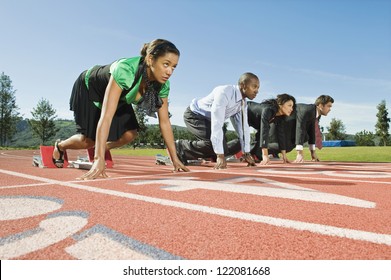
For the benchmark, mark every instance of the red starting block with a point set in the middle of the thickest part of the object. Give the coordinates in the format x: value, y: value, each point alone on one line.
x: 239, y: 155
x: 108, y: 158
x: 45, y: 160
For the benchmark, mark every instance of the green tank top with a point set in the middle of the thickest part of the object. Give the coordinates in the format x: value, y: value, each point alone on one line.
x: 124, y: 72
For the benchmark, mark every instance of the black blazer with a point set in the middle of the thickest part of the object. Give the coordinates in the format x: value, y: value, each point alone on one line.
x: 305, y: 123
x: 260, y: 115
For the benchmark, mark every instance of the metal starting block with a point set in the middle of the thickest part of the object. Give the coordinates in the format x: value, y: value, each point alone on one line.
x: 81, y: 163
x: 162, y: 160
x: 238, y: 157
x: 165, y: 160
x: 196, y: 161
x: 87, y: 161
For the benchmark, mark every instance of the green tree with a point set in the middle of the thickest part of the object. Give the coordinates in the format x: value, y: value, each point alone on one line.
x: 142, y: 120
x: 364, y: 138
x: 383, y: 123
x: 9, y: 115
x: 154, y: 136
x: 182, y: 133
x: 336, y: 130
x: 43, y: 122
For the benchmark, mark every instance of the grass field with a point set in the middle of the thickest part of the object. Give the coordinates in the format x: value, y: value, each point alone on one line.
x: 353, y: 154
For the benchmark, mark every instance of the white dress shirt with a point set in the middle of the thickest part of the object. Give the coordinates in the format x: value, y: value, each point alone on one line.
x: 222, y: 103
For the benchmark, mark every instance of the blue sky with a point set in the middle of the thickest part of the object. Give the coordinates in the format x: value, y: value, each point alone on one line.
x: 302, y: 47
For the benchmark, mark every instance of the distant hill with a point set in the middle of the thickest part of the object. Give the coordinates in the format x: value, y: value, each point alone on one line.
x: 24, y: 137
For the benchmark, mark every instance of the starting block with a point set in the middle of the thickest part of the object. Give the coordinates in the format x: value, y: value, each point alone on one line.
x: 162, y: 160
x: 108, y: 158
x: 165, y: 160
x: 81, y: 163
x: 45, y: 160
x: 196, y: 161
x: 235, y: 158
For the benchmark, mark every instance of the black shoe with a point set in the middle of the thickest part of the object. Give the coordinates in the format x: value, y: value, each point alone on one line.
x: 59, y: 163
x: 179, y: 152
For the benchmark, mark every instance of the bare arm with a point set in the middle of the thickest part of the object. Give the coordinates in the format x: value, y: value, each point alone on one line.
x: 109, y: 106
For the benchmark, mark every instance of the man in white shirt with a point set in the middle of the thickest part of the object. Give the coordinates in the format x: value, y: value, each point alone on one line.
x: 205, y: 119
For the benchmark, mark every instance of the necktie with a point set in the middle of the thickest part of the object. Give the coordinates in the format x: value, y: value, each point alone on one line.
x: 318, y: 135
x: 243, y: 108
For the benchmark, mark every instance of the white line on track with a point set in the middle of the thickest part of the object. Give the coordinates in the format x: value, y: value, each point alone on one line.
x: 237, y: 171
x: 259, y: 173
x: 5, y: 155
x: 301, y: 226
x: 265, y: 188
x: 24, y: 186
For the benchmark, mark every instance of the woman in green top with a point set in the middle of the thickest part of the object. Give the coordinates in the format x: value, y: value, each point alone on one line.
x: 102, y: 99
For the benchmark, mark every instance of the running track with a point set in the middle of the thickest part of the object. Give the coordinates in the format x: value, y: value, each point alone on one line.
x: 321, y: 211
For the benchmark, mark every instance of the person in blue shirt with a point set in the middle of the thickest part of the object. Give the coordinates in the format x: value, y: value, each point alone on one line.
x: 205, y: 118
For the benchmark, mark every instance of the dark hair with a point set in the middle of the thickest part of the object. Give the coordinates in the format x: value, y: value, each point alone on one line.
x: 323, y: 99
x: 158, y: 47
x: 281, y: 99
x: 246, y: 77
x: 284, y: 97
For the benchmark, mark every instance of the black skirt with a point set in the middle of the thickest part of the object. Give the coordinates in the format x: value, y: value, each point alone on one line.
x: 87, y: 114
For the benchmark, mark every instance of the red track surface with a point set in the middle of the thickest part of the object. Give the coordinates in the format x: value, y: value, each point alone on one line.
x: 318, y: 211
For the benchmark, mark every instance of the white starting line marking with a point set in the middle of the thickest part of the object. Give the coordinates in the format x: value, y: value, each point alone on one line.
x: 336, y: 173
x: 360, y: 235
x: 267, y: 188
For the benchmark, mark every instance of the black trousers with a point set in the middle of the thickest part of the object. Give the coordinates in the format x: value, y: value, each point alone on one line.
x: 273, y: 145
x: 200, y: 127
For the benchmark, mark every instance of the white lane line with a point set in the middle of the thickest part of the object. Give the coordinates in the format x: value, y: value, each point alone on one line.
x: 330, y: 179
x: 291, y: 176
x: 332, y: 173
x: 5, y: 155
x: 267, y: 188
x: 24, y: 186
x: 301, y: 226
x: 240, y: 173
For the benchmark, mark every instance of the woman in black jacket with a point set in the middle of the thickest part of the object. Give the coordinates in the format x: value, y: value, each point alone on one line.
x: 260, y: 116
